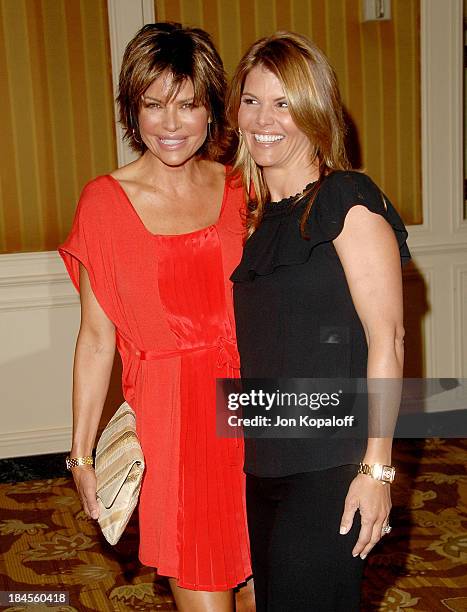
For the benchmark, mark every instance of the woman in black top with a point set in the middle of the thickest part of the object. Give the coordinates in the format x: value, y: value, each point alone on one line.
x: 318, y: 294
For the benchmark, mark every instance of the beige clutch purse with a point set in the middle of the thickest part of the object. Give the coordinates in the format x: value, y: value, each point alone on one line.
x: 119, y: 472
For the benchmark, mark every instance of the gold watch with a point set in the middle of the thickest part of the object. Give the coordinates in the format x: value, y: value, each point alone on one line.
x: 76, y: 461
x: 378, y: 471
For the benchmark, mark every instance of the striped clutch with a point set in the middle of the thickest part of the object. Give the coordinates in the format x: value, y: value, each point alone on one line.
x: 119, y: 473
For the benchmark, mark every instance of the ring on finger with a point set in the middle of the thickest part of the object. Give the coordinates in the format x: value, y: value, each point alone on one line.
x: 386, y: 529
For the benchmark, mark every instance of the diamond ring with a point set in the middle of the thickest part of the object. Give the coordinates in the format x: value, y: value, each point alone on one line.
x: 386, y: 529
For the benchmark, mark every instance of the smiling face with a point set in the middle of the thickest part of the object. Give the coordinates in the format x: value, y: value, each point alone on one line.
x: 173, y: 129
x: 272, y: 137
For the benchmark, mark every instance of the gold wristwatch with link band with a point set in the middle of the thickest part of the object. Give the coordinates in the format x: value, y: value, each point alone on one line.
x: 378, y: 471
x: 76, y: 461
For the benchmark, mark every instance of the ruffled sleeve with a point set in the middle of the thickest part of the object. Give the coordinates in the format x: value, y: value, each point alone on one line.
x: 278, y: 241
x: 87, y: 244
x: 341, y: 191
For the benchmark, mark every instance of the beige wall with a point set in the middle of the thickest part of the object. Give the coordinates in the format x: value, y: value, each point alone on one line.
x: 378, y: 65
x: 57, y: 115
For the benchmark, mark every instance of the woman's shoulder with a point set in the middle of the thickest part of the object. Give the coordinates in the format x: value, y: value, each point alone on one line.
x: 97, y: 186
x: 351, y: 184
x: 340, y: 192
x: 343, y: 189
x: 93, y: 203
x: 352, y: 176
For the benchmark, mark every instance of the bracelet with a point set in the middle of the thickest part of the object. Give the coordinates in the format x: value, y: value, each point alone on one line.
x: 378, y: 471
x: 77, y: 461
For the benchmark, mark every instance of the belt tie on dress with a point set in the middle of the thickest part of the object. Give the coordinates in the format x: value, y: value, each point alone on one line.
x: 226, y: 347
x: 227, y: 354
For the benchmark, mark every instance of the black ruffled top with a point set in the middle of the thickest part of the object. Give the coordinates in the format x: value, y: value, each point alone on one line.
x: 295, y: 316
x: 276, y: 243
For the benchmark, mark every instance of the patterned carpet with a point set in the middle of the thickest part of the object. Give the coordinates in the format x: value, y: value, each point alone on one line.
x: 48, y: 544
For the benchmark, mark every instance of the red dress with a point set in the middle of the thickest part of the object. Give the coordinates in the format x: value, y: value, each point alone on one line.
x: 170, y: 299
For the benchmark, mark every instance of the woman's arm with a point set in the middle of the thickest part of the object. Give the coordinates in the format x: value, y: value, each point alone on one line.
x: 94, y: 355
x: 369, y: 254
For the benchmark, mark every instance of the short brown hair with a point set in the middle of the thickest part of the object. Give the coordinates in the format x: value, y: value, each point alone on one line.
x: 184, y: 53
x: 311, y: 89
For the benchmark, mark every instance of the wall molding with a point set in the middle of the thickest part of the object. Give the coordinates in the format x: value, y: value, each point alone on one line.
x: 441, y: 49
x: 44, y: 262
x: 37, y: 303
x: 34, y: 442
x: 456, y: 36
x: 446, y: 247
x: 126, y: 17
x: 459, y: 281
x: 39, y: 316
x: 30, y: 281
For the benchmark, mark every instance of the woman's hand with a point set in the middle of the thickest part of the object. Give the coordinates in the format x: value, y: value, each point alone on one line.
x: 373, y: 499
x: 86, y: 484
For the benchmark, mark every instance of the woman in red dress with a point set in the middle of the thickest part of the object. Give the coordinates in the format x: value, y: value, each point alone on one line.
x: 151, y: 250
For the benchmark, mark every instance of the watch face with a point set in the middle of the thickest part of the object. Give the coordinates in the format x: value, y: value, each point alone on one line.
x: 388, y: 473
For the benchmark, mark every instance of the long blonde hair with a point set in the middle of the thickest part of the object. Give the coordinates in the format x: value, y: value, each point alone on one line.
x: 310, y: 87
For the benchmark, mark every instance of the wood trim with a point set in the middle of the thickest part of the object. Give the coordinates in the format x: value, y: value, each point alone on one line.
x: 29, y: 281
x: 442, y: 123
x: 34, y: 442
x: 126, y: 17
x: 459, y: 280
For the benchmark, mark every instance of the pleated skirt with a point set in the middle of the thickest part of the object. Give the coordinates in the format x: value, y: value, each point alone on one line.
x: 192, y: 506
